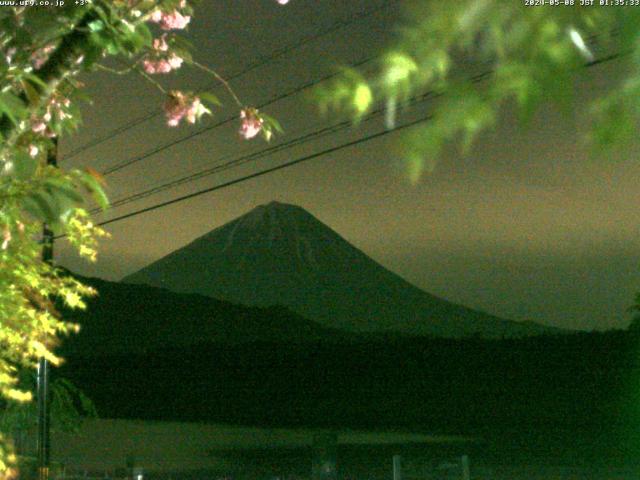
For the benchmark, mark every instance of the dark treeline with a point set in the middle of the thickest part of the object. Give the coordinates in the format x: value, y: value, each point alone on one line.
x: 148, y: 353
x: 578, y: 388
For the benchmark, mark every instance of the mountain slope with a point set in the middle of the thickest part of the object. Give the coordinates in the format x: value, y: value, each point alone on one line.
x: 279, y: 254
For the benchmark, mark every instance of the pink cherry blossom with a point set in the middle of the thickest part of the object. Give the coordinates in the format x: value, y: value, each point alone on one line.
x: 162, y: 65
x: 33, y: 150
x: 180, y: 105
x: 38, y: 125
x: 156, y: 16
x: 170, y: 21
x: 251, y: 123
x: 159, y: 60
x: 175, y: 61
x: 192, y: 111
x: 154, y: 66
x: 40, y: 56
x: 160, y: 44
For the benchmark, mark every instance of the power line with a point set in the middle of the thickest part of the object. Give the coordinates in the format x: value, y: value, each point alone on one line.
x: 161, y: 148
x: 266, y: 171
x: 262, y: 153
x: 307, y: 157
x: 249, y: 68
x: 276, y: 148
x: 310, y: 84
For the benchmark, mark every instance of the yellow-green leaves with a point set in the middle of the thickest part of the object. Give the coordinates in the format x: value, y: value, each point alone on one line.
x: 29, y: 320
x: 349, y: 91
x: 17, y: 395
x: 362, y: 99
x: 616, y: 117
x: 39, y: 350
x: 399, y: 68
x: 83, y: 234
x: 526, y: 56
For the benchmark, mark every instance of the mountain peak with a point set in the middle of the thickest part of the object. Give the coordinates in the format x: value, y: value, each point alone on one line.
x: 276, y: 205
x: 279, y: 208
x: 268, y: 221
x: 280, y: 254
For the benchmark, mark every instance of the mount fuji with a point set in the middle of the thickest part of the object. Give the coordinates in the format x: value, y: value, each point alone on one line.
x: 280, y: 254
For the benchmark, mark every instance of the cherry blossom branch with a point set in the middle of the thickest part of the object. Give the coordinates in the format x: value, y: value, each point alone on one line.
x: 221, y: 80
x: 115, y: 71
x: 62, y: 63
x: 151, y: 80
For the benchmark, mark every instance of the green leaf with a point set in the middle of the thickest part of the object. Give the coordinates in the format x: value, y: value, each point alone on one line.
x: 32, y: 94
x: 143, y: 31
x: 399, y: 67
x: 12, y: 106
x: 96, y: 26
x: 271, y: 122
x: 362, y: 99
x: 62, y: 189
x: 210, y: 98
x: 39, y: 205
x: 24, y: 165
x: 95, y: 189
x: 34, y: 79
x: 132, y: 40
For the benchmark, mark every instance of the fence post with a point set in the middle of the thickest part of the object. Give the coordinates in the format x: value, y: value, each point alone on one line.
x: 464, y: 463
x: 397, y: 467
x: 324, y: 453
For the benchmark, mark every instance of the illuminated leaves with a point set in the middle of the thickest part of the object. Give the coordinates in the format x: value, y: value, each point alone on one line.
x: 42, y: 52
x: 398, y: 74
x: 29, y: 321
x: 530, y: 56
x: 84, y: 235
x: 616, y: 116
x: 270, y: 126
x: 349, y: 91
x: 362, y: 99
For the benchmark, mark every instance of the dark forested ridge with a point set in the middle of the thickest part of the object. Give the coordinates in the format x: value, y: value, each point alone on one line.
x: 138, y: 318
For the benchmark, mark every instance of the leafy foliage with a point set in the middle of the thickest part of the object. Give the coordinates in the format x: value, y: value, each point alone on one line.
x: 525, y: 56
x: 69, y: 407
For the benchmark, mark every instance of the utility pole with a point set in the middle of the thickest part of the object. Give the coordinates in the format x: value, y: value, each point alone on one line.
x: 44, y: 414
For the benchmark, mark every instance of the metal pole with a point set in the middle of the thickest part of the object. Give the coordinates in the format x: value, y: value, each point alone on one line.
x: 43, y: 419
x: 44, y: 415
x: 397, y: 467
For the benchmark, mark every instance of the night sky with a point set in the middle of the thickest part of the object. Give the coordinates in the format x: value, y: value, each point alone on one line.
x: 529, y: 225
